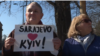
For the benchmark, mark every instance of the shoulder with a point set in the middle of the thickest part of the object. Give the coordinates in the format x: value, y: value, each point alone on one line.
x: 70, y: 40
x: 97, y: 36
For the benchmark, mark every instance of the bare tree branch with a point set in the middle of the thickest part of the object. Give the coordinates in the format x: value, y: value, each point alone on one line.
x: 77, y: 4
x: 1, y: 1
x: 52, y: 3
x: 10, y: 9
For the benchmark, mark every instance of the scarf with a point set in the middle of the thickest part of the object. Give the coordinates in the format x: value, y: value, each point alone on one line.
x: 87, y: 40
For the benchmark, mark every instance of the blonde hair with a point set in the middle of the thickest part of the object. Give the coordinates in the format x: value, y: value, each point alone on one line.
x: 72, y: 30
x: 36, y: 4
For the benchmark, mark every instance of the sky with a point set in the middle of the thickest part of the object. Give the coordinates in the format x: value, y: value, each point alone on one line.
x: 15, y: 18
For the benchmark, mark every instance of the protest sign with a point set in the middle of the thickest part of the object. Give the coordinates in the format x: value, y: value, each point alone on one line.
x: 33, y: 38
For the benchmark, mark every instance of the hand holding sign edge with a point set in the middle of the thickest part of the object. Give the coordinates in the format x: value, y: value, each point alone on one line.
x: 57, y: 43
x: 9, y: 42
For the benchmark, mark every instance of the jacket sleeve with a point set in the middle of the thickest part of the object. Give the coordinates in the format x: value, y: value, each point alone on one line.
x: 47, y: 53
x: 60, y: 52
x: 65, y: 50
x: 8, y: 52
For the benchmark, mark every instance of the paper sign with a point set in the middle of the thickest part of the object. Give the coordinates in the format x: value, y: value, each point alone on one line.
x: 33, y: 38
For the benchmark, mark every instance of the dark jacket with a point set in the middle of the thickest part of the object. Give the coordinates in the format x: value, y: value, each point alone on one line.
x: 73, y: 48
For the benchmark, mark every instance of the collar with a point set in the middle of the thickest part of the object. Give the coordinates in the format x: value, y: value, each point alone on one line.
x: 83, y: 38
x: 87, y: 41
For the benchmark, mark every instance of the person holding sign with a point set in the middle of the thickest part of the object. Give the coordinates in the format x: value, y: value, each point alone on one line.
x: 82, y: 41
x: 33, y: 17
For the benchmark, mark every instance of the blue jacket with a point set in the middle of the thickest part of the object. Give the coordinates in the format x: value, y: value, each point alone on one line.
x: 73, y: 48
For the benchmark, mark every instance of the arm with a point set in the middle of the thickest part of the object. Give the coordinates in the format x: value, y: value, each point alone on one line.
x: 57, y: 45
x: 9, y: 51
x: 50, y: 53
x: 58, y: 49
x: 55, y: 52
x: 60, y: 52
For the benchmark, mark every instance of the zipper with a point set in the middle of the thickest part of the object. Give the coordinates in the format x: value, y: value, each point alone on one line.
x: 91, y: 39
x: 84, y: 48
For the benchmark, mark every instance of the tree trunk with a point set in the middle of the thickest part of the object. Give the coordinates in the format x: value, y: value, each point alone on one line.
x: 1, y: 35
x: 62, y: 18
x: 83, y: 7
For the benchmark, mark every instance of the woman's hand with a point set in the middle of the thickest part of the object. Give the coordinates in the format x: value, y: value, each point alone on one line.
x: 9, y: 42
x: 57, y: 43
